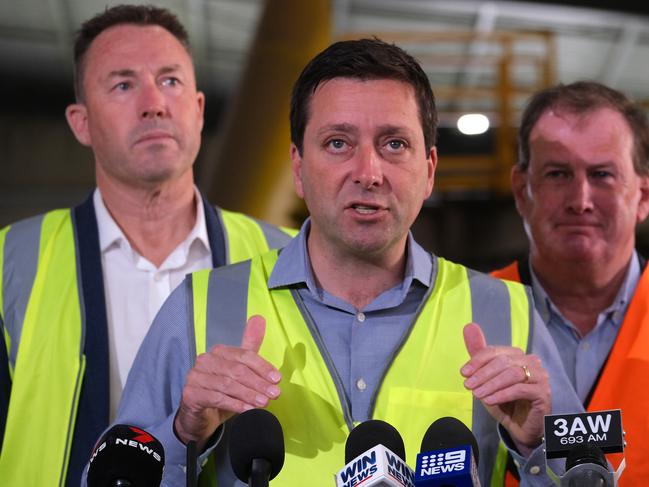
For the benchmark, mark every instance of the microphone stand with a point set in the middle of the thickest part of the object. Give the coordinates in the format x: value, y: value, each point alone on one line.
x: 259, y: 473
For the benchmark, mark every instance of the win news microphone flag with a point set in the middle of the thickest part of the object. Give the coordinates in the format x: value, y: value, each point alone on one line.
x: 126, y: 456
x: 449, y: 456
x: 375, y: 457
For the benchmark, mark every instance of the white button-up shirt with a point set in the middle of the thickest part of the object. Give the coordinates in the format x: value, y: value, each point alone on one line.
x: 135, y: 288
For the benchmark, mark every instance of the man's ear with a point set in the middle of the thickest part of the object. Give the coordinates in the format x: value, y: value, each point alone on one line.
x: 643, y: 204
x: 519, y: 188
x: 77, y: 117
x: 296, y: 169
x: 431, y: 163
x: 200, y: 100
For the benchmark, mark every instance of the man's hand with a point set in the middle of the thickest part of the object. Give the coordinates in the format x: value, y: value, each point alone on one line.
x: 513, y: 386
x: 226, y: 381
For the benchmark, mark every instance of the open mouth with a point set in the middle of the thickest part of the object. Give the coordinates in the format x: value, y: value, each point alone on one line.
x: 366, y: 209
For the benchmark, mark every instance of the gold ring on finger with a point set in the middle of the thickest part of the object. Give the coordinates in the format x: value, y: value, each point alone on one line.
x: 528, y: 374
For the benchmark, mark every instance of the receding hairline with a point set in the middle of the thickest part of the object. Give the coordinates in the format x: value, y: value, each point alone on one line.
x: 83, y: 61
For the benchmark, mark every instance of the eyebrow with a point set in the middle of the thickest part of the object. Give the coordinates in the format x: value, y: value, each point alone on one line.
x: 387, y: 129
x: 393, y: 129
x: 338, y: 127
x: 131, y: 73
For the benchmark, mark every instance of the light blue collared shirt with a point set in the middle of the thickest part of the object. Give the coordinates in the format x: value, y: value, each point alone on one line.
x: 583, y: 357
x: 361, y: 342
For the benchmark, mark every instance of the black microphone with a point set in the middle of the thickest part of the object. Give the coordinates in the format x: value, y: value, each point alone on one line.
x: 370, y: 433
x: 586, y: 466
x: 126, y: 456
x: 375, y: 457
x: 449, y: 456
x: 256, y: 447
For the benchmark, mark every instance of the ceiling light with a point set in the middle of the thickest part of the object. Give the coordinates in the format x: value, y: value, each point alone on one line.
x: 473, y: 124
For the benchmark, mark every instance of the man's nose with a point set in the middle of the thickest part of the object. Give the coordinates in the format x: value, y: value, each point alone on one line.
x: 368, y: 169
x: 580, y: 195
x: 152, y: 102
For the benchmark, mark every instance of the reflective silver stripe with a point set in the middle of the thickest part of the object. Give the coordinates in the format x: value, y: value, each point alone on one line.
x: 490, y: 303
x: 275, y: 237
x: 490, y: 307
x: 227, y: 303
x: 226, y: 240
x: 21, y: 251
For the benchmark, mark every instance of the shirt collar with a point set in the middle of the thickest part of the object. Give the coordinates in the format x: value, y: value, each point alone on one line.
x: 111, y: 235
x: 294, y: 267
x: 615, y: 311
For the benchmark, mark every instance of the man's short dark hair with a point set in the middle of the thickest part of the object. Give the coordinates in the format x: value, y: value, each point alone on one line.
x: 364, y: 59
x: 142, y: 15
x: 581, y: 98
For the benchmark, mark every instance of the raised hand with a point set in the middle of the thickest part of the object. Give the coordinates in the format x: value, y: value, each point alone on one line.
x: 513, y: 386
x: 226, y: 381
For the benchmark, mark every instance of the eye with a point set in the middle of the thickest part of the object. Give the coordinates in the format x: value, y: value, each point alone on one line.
x: 336, y: 145
x: 170, y: 81
x: 556, y: 174
x: 397, y: 144
x: 122, y: 86
x: 601, y: 174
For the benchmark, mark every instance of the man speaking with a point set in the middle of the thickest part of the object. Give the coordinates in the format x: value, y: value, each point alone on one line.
x: 353, y: 319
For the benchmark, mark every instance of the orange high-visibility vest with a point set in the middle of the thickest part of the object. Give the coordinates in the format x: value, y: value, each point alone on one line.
x: 624, y: 381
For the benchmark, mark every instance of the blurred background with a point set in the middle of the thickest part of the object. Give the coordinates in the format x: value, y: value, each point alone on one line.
x: 481, y: 57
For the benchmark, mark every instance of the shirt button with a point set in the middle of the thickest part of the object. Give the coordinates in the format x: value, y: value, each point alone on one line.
x: 361, y: 385
x: 585, y: 345
x: 157, y: 277
x: 535, y: 470
x: 360, y: 316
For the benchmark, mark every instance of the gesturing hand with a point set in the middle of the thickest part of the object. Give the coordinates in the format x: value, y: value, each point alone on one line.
x: 226, y: 381
x: 513, y: 386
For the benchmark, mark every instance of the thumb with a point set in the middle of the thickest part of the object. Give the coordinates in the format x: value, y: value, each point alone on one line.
x: 474, y: 338
x: 254, y: 333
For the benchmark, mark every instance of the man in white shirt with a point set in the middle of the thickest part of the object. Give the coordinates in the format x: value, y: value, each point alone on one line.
x: 80, y: 286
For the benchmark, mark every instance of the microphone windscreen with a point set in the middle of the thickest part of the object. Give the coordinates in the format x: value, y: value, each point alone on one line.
x: 371, y: 433
x: 126, y: 453
x: 256, y: 434
x: 586, y: 453
x: 449, y: 432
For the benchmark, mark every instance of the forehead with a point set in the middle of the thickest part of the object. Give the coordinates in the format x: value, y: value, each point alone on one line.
x: 129, y: 46
x: 349, y: 100
x: 596, y: 136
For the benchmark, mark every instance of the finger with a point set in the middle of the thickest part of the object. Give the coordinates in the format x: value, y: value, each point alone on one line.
x: 474, y: 339
x: 223, y: 392
x: 497, y: 367
x: 253, y: 334
x: 538, y: 393
x: 239, y: 364
x: 500, y: 373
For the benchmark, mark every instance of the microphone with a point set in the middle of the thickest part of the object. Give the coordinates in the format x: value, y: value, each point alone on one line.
x: 126, y: 456
x: 256, y: 447
x: 586, y: 466
x: 375, y: 456
x: 449, y: 456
